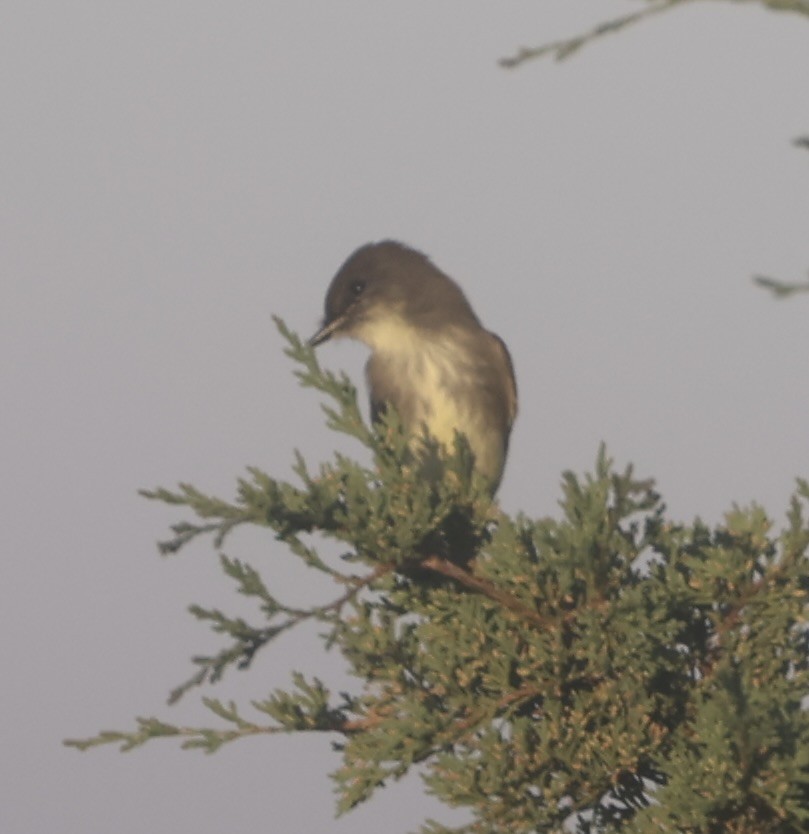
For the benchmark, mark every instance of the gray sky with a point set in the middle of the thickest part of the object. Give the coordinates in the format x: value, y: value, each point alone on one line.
x: 173, y: 173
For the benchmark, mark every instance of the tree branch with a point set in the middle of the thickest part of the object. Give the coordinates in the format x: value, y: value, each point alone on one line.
x: 449, y: 569
x: 565, y: 48
x: 212, y: 667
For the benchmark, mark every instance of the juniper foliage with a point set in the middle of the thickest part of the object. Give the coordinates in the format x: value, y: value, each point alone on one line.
x: 607, y: 670
x: 565, y: 48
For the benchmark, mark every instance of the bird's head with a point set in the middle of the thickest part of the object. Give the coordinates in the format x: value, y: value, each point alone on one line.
x: 386, y: 287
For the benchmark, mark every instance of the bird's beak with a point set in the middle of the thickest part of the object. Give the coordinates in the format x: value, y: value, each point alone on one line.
x: 326, y: 331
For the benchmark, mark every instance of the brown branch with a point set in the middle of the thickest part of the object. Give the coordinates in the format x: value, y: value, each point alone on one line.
x: 357, y: 584
x: 523, y: 692
x: 449, y: 569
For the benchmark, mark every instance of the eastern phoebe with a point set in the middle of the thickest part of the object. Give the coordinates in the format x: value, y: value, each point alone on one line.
x: 430, y: 356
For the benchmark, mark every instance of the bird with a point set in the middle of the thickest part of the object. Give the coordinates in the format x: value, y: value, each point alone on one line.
x: 431, y: 358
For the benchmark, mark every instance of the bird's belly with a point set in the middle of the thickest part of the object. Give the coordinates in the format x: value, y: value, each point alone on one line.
x: 437, y: 392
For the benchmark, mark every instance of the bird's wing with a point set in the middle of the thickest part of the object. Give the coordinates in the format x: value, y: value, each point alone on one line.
x: 511, y: 382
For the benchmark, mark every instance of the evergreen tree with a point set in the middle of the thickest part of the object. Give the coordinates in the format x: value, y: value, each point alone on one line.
x: 608, y: 670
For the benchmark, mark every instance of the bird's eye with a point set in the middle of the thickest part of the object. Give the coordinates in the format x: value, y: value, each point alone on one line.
x: 357, y: 288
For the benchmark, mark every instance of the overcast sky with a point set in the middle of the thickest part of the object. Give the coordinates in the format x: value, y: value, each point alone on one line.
x: 172, y: 173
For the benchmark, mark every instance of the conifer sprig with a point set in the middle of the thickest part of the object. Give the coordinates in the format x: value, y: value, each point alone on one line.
x: 606, y: 670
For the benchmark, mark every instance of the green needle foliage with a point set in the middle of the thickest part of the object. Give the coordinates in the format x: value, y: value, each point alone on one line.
x: 607, y: 670
x: 563, y: 49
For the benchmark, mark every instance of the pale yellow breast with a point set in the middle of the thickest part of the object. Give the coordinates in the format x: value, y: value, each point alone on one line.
x: 433, y: 372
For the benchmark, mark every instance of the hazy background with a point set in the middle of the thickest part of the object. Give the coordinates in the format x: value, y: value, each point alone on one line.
x: 173, y: 173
